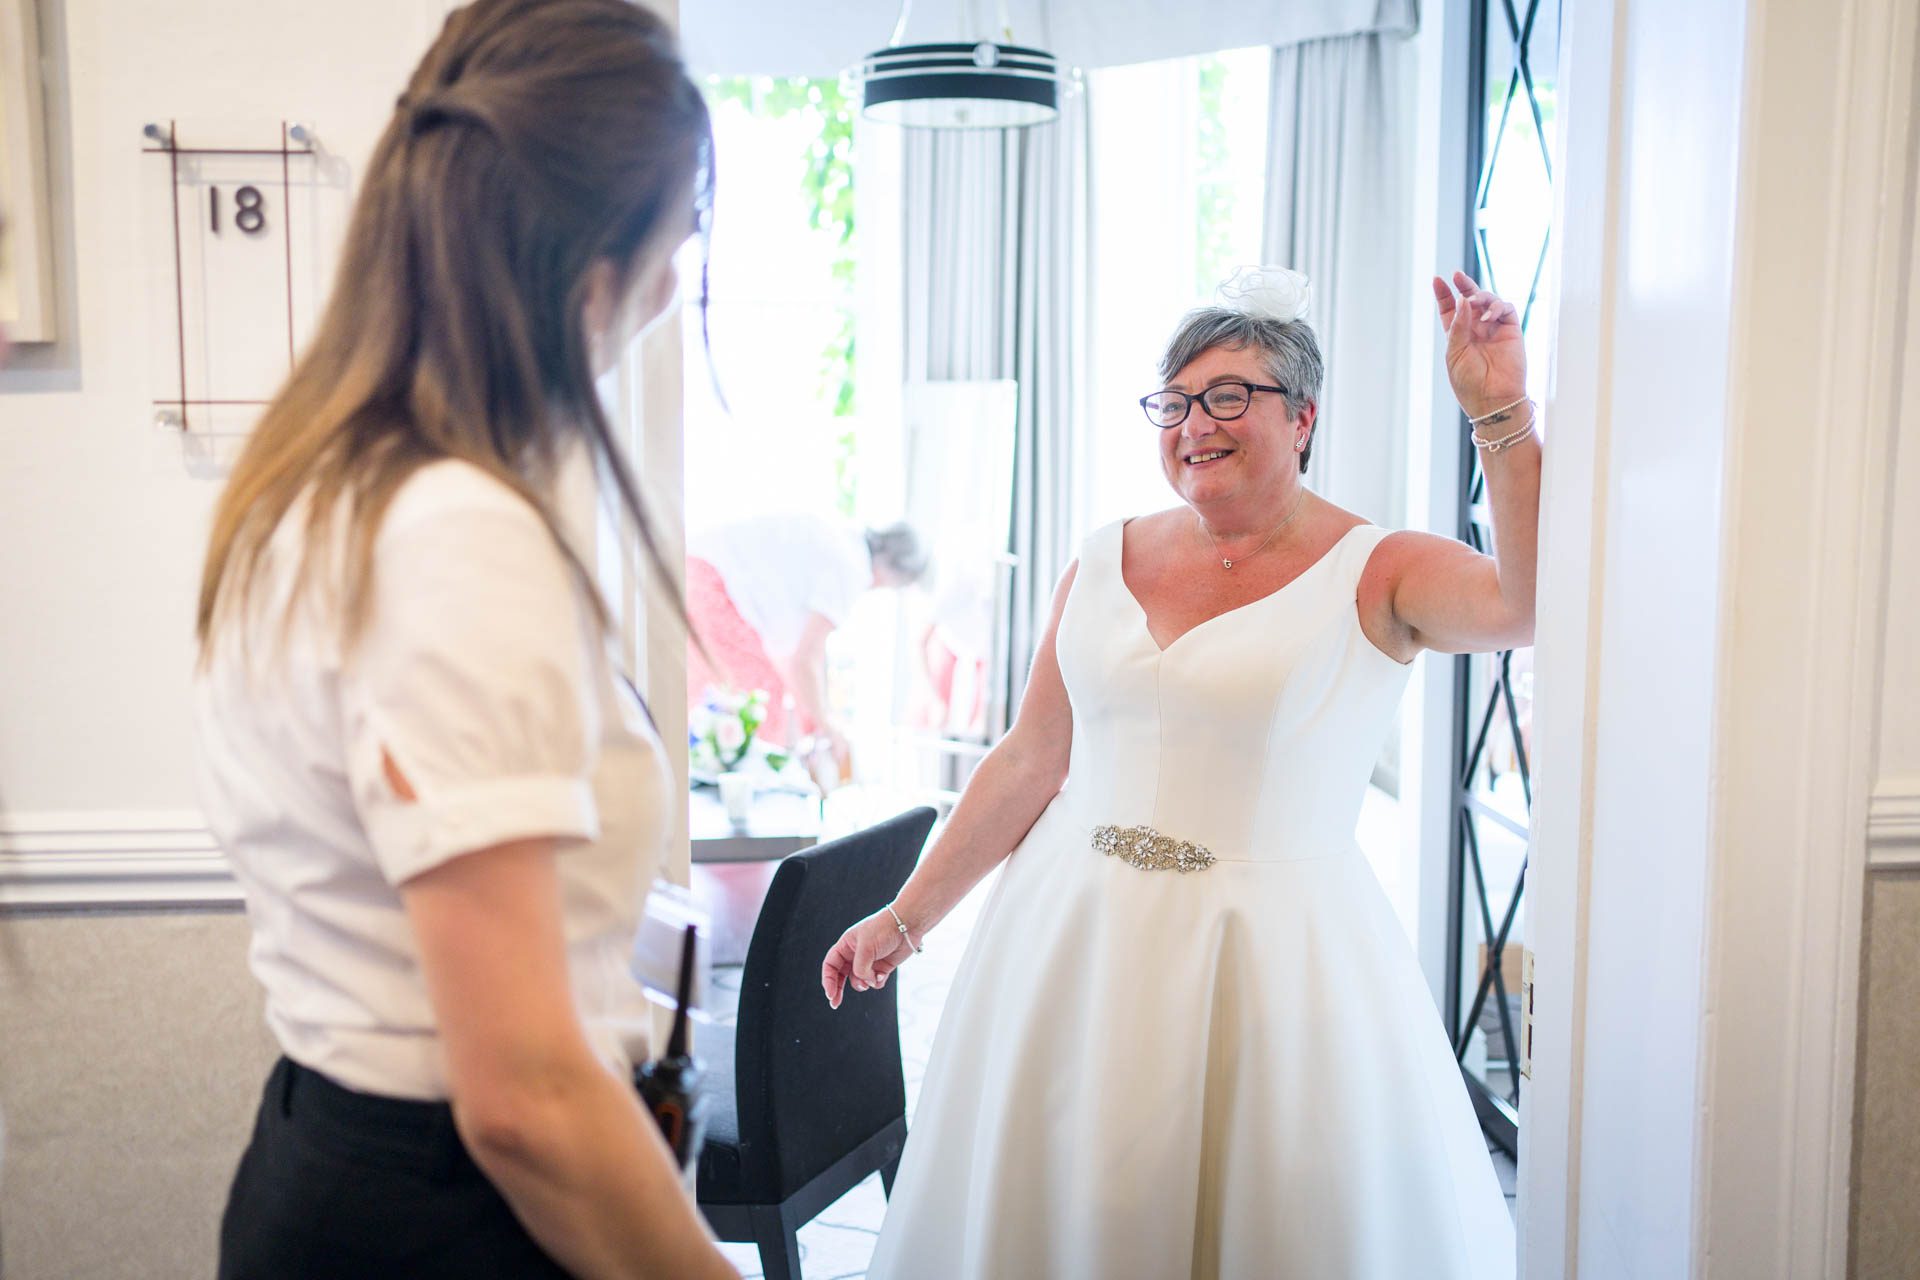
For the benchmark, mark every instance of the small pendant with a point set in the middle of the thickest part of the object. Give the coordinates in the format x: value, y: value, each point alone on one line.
x: 1226, y: 564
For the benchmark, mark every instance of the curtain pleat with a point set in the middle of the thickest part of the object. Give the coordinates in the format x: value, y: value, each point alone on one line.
x: 1337, y: 209
x: 995, y: 287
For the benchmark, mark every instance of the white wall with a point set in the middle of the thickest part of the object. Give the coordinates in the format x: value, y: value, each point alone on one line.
x: 1885, y: 1217
x: 1898, y: 757
x: 103, y: 522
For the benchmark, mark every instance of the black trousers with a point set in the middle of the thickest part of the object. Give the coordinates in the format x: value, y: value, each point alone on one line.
x: 339, y: 1185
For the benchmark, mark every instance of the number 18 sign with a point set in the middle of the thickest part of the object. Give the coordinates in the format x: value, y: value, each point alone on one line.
x: 236, y: 240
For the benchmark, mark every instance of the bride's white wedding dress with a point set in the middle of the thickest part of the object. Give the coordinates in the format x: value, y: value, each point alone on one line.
x: 1230, y: 1071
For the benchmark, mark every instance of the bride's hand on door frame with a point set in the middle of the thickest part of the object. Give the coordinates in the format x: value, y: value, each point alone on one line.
x: 864, y: 957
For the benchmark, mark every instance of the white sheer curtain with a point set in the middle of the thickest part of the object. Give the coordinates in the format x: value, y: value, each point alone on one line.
x: 1337, y: 208
x: 994, y: 247
x: 1338, y: 201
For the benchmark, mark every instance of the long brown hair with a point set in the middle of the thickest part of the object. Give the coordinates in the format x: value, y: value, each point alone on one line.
x: 536, y: 138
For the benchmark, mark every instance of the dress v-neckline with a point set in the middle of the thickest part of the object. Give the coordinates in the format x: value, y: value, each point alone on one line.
x: 1146, y: 624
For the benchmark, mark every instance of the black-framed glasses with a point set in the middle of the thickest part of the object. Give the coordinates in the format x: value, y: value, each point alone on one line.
x: 1223, y: 401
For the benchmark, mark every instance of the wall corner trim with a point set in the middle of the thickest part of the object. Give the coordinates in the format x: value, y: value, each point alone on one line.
x: 79, y: 859
x: 1893, y: 825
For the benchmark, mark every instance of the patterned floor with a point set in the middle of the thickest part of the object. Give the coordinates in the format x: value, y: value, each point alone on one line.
x: 837, y: 1244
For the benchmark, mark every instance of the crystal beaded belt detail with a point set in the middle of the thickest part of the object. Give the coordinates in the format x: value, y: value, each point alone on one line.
x: 1149, y: 850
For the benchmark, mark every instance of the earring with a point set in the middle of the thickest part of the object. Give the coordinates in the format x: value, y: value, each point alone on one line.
x: 1298, y: 445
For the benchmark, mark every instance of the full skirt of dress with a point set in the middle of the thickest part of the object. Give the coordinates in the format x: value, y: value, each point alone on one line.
x: 1237, y: 1072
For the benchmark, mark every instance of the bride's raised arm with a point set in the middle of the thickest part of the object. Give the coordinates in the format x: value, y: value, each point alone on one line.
x: 1423, y: 591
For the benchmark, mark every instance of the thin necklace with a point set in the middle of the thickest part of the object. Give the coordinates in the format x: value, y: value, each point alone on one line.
x: 1225, y: 562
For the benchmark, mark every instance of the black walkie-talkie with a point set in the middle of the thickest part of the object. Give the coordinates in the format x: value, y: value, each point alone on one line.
x: 670, y: 1084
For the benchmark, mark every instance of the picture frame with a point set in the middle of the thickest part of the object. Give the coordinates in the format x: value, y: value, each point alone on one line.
x: 27, y: 307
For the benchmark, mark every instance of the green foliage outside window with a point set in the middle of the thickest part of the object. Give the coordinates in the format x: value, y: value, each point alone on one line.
x: 1213, y: 241
x: 1544, y: 93
x: 826, y: 176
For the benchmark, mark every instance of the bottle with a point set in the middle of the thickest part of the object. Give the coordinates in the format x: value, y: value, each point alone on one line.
x: 670, y: 1085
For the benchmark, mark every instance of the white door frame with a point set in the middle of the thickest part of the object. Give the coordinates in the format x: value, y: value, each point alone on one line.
x: 654, y: 423
x: 1440, y: 190
x: 1800, y: 332
x: 1568, y: 609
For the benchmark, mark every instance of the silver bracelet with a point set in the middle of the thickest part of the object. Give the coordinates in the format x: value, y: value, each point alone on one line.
x: 1495, y: 446
x: 902, y: 926
x: 1475, y: 422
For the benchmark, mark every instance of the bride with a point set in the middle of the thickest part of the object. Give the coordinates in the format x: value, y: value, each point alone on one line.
x: 1189, y: 1037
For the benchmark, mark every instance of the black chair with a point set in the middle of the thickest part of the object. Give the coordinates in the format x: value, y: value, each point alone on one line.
x: 807, y: 1100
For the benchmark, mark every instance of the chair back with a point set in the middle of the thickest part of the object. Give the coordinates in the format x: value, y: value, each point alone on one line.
x: 813, y: 1082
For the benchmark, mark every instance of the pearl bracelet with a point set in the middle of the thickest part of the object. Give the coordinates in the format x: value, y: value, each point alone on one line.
x: 1495, y: 446
x: 902, y: 926
x: 1488, y: 417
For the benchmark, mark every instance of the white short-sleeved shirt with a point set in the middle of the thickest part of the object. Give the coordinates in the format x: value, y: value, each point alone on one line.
x: 482, y: 674
x: 780, y: 569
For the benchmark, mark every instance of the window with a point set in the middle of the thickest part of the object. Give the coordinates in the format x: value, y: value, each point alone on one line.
x: 781, y: 315
x: 782, y: 417
x: 1177, y: 200
x: 1510, y: 154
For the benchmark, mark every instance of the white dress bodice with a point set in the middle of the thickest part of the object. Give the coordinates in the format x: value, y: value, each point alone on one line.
x: 1253, y: 734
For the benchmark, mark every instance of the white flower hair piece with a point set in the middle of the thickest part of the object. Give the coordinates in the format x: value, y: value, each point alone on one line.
x: 1270, y: 293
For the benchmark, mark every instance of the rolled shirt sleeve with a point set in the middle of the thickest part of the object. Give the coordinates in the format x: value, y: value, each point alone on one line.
x: 473, y: 678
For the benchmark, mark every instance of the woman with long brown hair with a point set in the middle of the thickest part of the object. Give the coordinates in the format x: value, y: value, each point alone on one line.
x: 441, y: 802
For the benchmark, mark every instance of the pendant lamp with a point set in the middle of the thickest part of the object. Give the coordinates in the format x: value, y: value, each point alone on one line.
x: 973, y: 79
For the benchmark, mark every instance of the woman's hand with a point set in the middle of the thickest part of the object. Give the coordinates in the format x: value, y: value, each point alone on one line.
x: 864, y: 956
x: 1486, y: 357
x: 1008, y: 792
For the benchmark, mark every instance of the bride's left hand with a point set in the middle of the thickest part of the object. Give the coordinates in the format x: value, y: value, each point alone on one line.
x: 1486, y: 355
x: 864, y: 956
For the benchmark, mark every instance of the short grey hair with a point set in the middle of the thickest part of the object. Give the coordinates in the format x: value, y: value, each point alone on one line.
x: 897, y: 549
x: 1287, y: 348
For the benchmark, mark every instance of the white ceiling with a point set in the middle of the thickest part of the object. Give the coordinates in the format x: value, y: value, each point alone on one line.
x: 825, y: 37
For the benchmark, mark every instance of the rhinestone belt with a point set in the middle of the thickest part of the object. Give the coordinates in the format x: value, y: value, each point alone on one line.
x: 1149, y: 850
